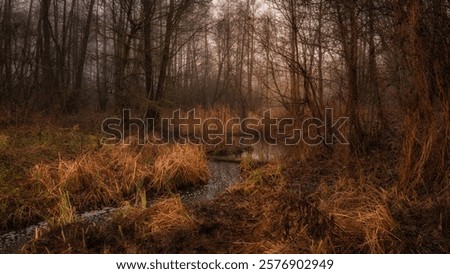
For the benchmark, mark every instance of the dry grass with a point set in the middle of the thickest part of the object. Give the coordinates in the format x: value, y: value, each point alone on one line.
x: 95, y: 179
x: 424, y: 222
x: 321, y: 203
x: 64, y: 212
x: 22, y: 200
x: 165, y: 216
x: 131, y: 230
x: 115, y: 174
x: 92, y: 180
x: 348, y: 217
x: 424, y: 167
x: 362, y: 219
x: 180, y: 166
x: 273, y: 212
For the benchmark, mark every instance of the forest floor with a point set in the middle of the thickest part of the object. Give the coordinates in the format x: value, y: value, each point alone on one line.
x: 51, y: 173
x: 321, y: 202
x: 23, y: 148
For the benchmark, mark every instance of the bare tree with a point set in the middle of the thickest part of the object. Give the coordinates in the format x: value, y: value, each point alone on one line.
x: 347, y: 13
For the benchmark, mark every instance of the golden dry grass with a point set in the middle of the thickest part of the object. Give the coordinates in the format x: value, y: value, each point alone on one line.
x: 165, y: 216
x: 98, y: 178
x: 349, y: 216
x: 324, y: 205
x: 115, y: 174
x: 95, y: 178
x: 169, y: 215
x: 180, y: 166
x: 270, y: 213
x: 363, y: 222
x: 131, y: 230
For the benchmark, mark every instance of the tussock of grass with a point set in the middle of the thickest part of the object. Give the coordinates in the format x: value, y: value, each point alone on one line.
x: 115, y: 174
x: 95, y: 179
x: 363, y: 222
x: 347, y: 216
x: 267, y: 176
x: 64, y: 212
x: 180, y: 166
x: 85, y: 176
x: 131, y: 230
x: 164, y: 216
x: 22, y: 201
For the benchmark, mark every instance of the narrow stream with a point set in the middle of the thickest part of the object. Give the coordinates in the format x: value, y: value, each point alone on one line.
x: 223, y: 174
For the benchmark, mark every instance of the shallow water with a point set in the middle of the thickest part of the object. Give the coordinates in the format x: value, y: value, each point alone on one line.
x: 223, y: 174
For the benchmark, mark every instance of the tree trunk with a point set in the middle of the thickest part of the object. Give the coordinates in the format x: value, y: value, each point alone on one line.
x: 165, y: 59
x: 72, y: 104
x: 349, y: 31
x: 149, y: 9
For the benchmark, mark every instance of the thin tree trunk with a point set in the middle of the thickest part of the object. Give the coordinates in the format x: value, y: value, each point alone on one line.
x: 149, y: 9
x: 7, y: 50
x: 83, y: 50
x: 348, y: 28
x: 48, y: 87
x: 165, y: 56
